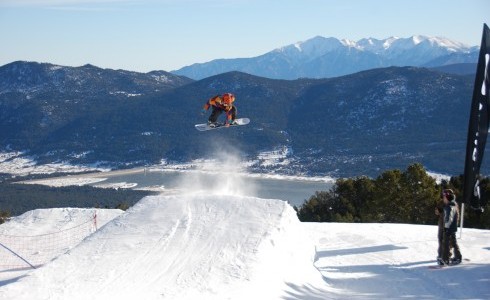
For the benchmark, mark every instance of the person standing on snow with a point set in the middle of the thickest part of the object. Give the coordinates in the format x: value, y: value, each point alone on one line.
x: 439, y: 211
x: 451, y: 217
x: 221, y: 104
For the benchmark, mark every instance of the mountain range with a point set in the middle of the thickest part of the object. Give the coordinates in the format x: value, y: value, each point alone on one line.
x: 322, y: 57
x: 358, y: 124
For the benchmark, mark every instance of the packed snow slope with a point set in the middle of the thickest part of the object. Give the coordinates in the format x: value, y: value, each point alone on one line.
x: 183, y: 247
x: 221, y: 246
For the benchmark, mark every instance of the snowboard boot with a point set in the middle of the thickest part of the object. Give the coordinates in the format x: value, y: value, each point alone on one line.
x: 440, y: 262
x: 455, y: 260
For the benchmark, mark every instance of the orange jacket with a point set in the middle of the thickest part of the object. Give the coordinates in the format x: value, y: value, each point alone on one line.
x: 224, y: 102
x: 215, y: 101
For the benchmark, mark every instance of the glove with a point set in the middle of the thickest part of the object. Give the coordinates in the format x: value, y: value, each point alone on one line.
x: 203, y: 111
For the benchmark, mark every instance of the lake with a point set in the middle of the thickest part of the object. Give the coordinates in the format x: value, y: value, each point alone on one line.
x: 295, y: 190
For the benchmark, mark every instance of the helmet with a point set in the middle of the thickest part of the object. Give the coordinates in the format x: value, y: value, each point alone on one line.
x: 228, y: 98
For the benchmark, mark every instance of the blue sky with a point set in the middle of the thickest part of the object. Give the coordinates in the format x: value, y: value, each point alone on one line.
x: 145, y: 35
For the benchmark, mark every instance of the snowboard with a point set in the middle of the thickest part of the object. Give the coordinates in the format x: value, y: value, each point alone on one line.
x: 437, y: 267
x: 205, y: 126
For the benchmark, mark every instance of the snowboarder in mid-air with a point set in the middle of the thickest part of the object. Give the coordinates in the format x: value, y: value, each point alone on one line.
x: 220, y: 104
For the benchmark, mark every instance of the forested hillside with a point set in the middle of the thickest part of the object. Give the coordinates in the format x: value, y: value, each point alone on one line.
x: 345, y: 126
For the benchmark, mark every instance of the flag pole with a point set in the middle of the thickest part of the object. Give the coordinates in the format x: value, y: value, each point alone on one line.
x: 462, y: 221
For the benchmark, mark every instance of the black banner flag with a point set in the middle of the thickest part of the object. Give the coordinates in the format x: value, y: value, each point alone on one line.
x: 478, y: 125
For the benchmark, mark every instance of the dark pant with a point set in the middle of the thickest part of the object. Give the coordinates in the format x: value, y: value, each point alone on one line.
x: 217, y: 112
x: 449, y: 241
x: 440, y: 239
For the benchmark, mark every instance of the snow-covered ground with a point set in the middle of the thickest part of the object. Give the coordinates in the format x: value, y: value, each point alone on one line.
x: 226, y: 244
x: 18, y: 164
x: 223, y: 246
x: 38, y: 236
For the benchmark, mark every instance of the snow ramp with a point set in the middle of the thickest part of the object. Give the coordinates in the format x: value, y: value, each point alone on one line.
x: 185, y: 247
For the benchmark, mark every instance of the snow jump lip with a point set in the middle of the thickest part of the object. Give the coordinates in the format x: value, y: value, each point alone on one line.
x: 184, y: 247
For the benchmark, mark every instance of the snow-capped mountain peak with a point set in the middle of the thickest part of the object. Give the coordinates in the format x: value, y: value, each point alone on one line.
x: 314, y: 47
x: 321, y: 57
x: 320, y: 45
